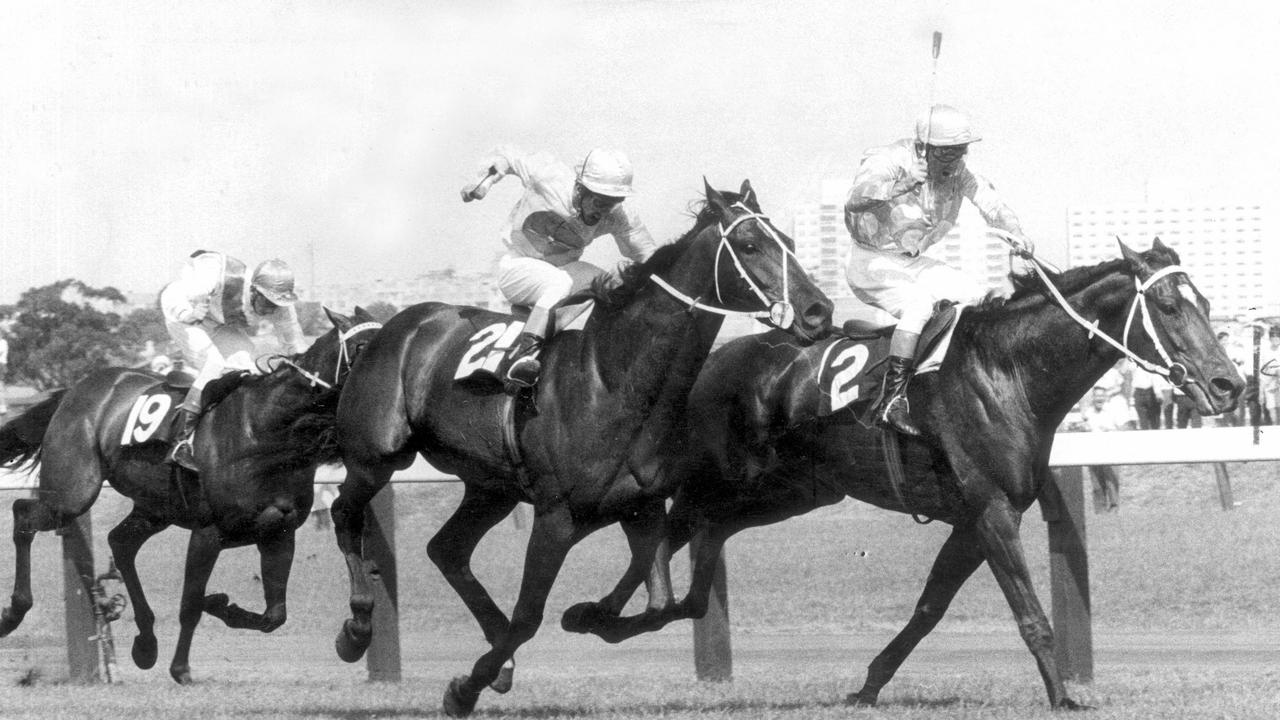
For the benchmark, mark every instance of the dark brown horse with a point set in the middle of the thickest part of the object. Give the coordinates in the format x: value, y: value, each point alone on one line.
x: 758, y: 452
x: 584, y: 448
x: 259, y: 445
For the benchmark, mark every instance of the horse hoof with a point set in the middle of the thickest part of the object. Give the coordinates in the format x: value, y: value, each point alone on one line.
x: 455, y: 703
x: 861, y: 699
x: 144, y: 651
x: 1069, y: 704
x: 502, y: 683
x: 583, y: 617
x: 350, y: 649
x: 181, y: 675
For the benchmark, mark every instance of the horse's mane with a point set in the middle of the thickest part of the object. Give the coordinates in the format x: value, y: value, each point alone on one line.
x: 633, y: 277
x: 304, y: 435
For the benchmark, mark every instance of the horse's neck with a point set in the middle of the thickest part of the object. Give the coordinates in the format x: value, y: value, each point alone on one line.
x: 654, y: 342
x: 1058, y: 359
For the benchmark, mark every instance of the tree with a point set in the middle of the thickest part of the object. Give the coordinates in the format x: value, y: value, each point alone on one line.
x: 63, y: 331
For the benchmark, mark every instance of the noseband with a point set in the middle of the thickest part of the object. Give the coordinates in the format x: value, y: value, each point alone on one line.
x: 779, y: 313
x: 345, y: 358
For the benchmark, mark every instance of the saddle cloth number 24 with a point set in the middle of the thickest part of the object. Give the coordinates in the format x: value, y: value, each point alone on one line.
x: 486, y: 348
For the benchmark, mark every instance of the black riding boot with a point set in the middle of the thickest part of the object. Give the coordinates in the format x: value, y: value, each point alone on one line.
x: 523, y: 365
x: 183, y: 453
x: 895, y: 411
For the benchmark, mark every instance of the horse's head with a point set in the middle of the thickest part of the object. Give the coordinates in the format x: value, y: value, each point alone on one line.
x: 329, y: 358
x: 753, y: 266
x: 1168, y: 326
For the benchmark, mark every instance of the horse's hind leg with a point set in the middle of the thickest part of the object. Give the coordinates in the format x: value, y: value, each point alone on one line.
x: 959, y: 557
x: 451, y: 549
x: 125, y: 539
x: 202, y: 554
x: 276, y: 556
x: 29, y: 518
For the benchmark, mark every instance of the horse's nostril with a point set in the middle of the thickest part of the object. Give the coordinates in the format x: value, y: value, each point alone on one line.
x: 817, y: 315
x: 1223, y: 386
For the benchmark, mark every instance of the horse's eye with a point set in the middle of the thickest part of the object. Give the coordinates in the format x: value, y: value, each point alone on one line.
x: 750, y: 248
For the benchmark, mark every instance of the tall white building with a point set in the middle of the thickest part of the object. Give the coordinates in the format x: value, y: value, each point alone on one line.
x: 822, y: 242
x: 1222, y: 246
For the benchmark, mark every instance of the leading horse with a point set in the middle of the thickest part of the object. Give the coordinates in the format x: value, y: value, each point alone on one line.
x: 585, y: 446
x: 758, y: 451
x: 259, y: 447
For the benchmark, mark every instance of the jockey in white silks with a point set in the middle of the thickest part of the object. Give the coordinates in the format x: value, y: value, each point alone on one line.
x: 207, y: 312
x: 560, y: 213
x: 905, y: 198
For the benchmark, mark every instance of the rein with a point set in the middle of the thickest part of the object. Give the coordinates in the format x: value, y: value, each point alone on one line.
x: 780, y: 313
x: 1175, y: 373
x: 344, y: 357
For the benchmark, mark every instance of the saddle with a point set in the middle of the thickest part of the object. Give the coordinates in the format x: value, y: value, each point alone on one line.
x: 853, y: 364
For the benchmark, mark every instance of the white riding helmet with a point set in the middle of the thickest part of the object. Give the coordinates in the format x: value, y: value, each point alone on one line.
x: 945, y: 126
x: 274, y: 279
x: 606, y: 172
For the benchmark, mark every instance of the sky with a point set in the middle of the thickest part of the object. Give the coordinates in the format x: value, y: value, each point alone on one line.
x: 336, y: 135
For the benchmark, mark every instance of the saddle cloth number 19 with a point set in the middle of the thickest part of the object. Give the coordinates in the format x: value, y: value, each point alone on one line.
x: 145, y: 417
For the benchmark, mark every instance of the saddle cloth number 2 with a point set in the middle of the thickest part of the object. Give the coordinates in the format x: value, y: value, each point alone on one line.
x: 144, y: 418
x: 486, y: 348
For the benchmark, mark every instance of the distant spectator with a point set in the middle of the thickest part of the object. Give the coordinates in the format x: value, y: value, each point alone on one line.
x: 1103, y: 412
x: 4, y: 368
x: 1184, y: 410
x: 1270, y: 368
x: 1147, y: 398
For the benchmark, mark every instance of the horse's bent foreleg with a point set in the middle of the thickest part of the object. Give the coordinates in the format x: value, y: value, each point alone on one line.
x: 451, y: 549
x: 348, y: 515
x: 276, y: 557
x: 29, y: 518
x: 1002, y: 544
x: 644, y: 537
x: 960, y: 555
x: 125, y: 539
x: 202, y: 553
x: 554, y: 533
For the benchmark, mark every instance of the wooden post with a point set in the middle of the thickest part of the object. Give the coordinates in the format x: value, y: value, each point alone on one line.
x: 383, y: 657
x: 77, y: 582
x: 712, y: 651
x: 1062, y: 504
x: 1225, y: 496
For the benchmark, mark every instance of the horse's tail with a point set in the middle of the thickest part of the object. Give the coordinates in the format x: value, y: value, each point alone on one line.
x: 21, y: 438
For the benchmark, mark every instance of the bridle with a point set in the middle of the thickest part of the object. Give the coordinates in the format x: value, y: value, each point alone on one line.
x: 345, y: 357
x: 779, y: 313
x: 1174, y: 372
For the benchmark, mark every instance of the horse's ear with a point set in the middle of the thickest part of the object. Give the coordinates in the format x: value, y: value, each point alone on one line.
x: 362, y: 315
x: 1134, y: 258
x: 715, y: 199
x: 749, y: 196
x: 340, y: 321
x: 1158, y: 244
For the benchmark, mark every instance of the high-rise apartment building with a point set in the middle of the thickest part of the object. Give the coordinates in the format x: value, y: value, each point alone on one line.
x: 1222, y: 246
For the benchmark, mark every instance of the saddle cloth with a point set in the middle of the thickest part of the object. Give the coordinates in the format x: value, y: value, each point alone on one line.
x: 152, y: 416
x: 853, y: 364
x: 487, y: 346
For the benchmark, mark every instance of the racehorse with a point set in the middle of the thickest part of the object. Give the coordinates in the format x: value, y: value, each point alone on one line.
x: 758, y: 453
x: 259, y: 447
x: 584, y: 446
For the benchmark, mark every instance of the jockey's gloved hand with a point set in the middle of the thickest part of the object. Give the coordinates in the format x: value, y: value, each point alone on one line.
x: 1023, y: 247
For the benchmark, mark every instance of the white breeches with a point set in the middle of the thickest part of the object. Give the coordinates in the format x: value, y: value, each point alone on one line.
x: 534, y: 282
x: 209, y: 349
x: 907, y: 287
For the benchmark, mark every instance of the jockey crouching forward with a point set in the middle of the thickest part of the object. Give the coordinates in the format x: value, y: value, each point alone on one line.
x: 905, y: 198
x: 207, y: 311
x: 560, y: 213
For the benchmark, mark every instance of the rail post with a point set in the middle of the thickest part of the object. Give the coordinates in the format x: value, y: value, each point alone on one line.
x: 77, y: 584
x: 712, y: 651
x: 1062, y: 505
x: 383, y: 657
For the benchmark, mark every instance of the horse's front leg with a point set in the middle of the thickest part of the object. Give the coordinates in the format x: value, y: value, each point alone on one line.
x: 554, y: 533
x: 125, y: 539
x: 202, y: 554
x: 348, y: 515
x: 645, y: 538
x: 29, y: 518
x: 960, y: 555
x: 276, y: 558
x: 997, y: 530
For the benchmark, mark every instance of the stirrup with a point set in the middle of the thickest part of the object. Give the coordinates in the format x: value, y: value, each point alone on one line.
x: 897, y: 415
x: 183, y: 454
x: 524, y: 371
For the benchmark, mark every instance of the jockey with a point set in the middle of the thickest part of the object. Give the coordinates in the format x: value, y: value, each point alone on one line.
x: 560, y: 213
x: 207, y: 311
x: 905, y: 198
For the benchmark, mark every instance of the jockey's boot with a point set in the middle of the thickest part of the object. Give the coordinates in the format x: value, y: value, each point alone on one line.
x: 895, y: 411
x: 523, y: 366
x: 183, y: 454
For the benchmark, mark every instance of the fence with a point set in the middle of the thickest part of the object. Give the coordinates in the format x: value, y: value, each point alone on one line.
x: 1062, y: 507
